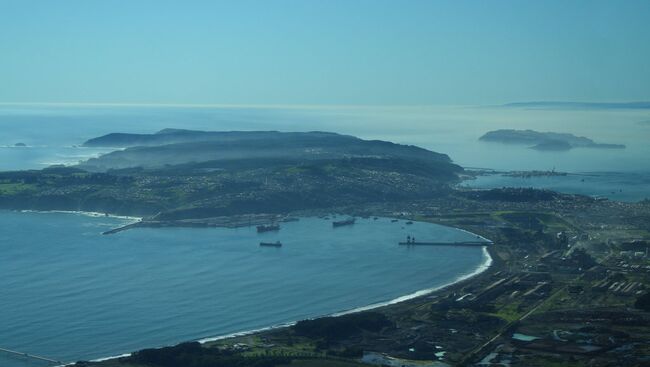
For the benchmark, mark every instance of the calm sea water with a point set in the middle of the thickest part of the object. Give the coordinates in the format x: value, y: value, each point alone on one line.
x: 70, y: 293
x: 53, y: 134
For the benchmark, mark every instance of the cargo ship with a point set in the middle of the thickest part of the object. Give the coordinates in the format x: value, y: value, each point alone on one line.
x: 268, y: 228
x: 271, y: 244
x: 340, y: 223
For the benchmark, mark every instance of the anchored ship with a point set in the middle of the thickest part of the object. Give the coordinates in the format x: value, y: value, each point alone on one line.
x: 268, y: 228
x: 271, y: 244
x: 340, y: 223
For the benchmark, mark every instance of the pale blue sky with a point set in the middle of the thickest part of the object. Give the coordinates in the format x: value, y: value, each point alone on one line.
x: 323, y: 52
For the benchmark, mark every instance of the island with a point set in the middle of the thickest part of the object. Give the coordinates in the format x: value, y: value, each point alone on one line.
x: 567, y: 285
x: 544, y: 141
x: 580, y: 105
x: 20, y: 145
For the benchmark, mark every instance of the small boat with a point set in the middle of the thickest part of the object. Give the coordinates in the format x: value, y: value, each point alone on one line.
x: 268, y: 228
x: 409, y: 222
x: 271, y: 244
x: 340, y: 223
x: 394, y: 220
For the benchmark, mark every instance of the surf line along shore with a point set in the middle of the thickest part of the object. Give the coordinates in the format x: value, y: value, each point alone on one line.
x: 491, y: 264
x: 223, y: 221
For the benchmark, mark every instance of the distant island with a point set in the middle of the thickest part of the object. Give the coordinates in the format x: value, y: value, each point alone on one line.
x: 20, y: 145
x: 544, y: 141
x: 581, y: 105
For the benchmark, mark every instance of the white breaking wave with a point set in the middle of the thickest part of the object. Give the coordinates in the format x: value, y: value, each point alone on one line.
x: 87, y: 214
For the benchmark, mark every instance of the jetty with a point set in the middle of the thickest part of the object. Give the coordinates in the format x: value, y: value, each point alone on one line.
x: 31, y: 356
x: 410, y: 241
x: 456, y: 243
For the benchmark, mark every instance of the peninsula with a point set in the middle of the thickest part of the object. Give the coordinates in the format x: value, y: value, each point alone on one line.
x: 202, y: 175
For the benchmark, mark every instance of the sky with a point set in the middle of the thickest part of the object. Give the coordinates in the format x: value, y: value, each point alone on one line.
x: 349, y: 52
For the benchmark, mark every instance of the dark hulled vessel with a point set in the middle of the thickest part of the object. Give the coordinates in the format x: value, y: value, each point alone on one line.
x: 345, y: 222
x: 268, y: 228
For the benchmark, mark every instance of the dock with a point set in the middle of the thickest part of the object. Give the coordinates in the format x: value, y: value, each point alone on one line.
x: 459, y: 243
x: 32, y: 356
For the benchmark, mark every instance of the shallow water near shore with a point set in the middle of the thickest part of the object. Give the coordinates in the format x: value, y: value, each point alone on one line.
x: 69, y: 293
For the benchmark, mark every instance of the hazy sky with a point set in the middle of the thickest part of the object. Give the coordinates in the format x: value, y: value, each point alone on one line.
x: 323, y: 52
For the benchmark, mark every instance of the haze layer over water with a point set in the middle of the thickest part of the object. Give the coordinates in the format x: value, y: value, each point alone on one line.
x: 52, y: 131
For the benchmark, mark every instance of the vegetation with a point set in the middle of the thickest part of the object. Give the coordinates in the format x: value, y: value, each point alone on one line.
x: 194, y: 355
x: 180, y: 174
x: 513, y: 195
x: 643, y: 302
x: 218, y: 188
x: 184, y: 146
x: 336, y: 328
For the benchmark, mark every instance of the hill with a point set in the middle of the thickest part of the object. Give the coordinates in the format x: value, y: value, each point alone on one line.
x: 173, y: 147
x: 247, y: 173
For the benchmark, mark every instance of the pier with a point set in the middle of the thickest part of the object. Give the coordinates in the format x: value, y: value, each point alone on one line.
x: 459, y: 243
x: 31, y: 356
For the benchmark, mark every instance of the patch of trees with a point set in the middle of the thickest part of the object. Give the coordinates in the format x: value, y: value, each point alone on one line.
x: 194, y: 355
x: 64, y: 176
x: 510, y: 194
x: 643, y: 302
x: 336, y: 328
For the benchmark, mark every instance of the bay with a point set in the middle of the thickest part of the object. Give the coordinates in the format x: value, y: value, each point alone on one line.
x: 70, y: 293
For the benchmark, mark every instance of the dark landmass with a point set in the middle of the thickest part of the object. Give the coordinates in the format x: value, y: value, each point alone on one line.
x: 212, y: 189
x: 20, y: 145
x: 581, y: 105
x: 258, y: 172
x: 174, y: 136
x: 552, y: 145
x: 235, y: 146
x: 548, y: 141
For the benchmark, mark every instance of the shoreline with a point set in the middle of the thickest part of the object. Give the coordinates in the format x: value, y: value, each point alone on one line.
x: 488, y: 262
x: 84, y: 213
